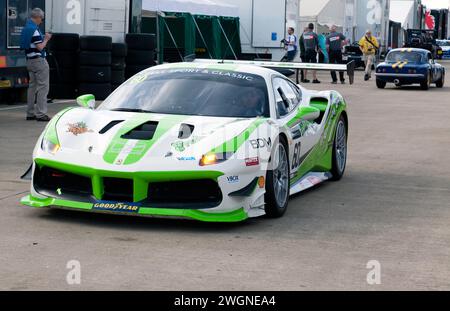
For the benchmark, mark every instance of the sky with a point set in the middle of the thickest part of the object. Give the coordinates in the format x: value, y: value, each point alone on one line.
x: 436, y: 4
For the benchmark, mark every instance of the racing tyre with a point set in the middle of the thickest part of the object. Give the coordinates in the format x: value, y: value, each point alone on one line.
x: 117, y: 77
x: 131, y: 70
x: 94, y: 74
x: 66, y: 59
x: 100, y: 90
x: 118, y: 63
x: 425, y: 85
x: 441, y: 81
x: 95, y: 43
x: 64, y: 42
x: 119, y: 50
x: 62, y: 91
x: 381, y: 84
x: 136, y: 57
x: 278, y: 181
x: 339, y: 150
x: 95, y: 58
x: 141, y: 41
x: 63, y: 75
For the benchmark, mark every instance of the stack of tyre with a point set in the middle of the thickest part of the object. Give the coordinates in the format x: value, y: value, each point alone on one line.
x: 119, y: 54
x: 63, y: 62
x: 141, y: 53
x: 94, y: 75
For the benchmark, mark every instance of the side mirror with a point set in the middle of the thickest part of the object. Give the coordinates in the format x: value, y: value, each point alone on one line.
x: 86, y: 101
x: 308, y: 113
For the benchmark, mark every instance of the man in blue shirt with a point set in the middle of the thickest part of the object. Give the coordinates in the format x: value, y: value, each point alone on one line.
x: 34, y: 44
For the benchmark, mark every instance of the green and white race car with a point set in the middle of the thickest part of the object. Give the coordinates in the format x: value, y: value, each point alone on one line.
x: 205, y: 141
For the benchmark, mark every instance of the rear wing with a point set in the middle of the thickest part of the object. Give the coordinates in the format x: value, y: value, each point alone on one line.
x: 348, y: 68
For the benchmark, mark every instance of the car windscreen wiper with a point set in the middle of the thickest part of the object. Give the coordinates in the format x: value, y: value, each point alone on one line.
x: 132, y: 110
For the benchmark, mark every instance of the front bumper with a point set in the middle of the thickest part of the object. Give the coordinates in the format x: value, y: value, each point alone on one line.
x: 235, y: 216
x: 402, y: 77
x: 88, y: 191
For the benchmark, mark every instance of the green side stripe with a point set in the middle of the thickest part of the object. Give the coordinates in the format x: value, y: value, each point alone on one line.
x: 233, y: 145
x: 143, y: 146
x: 235, y: 216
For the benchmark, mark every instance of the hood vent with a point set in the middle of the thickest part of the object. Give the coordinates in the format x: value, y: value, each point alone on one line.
x: 145, y: 131
x: 186, y: 131
x: 110, y: 126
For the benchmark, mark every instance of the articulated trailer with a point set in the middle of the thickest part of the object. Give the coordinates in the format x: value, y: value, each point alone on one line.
x: 13, y: 71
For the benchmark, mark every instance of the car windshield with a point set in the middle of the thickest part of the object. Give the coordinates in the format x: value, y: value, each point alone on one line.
x: 193, y: 91
x: 443, y: 42
x: 399, y: 56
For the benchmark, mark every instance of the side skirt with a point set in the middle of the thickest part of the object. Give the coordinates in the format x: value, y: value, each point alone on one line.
x: 308, y: 181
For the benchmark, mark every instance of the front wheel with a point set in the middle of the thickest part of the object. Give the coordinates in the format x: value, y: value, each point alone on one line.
x: 441, y: 81
x: 339, y: 150
x: 278, y: 181
x: 381, y: 84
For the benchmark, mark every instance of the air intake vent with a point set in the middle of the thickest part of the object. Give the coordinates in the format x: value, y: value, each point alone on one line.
x: 110, y: 126
x: 145, y: 131
x: 186, y: 131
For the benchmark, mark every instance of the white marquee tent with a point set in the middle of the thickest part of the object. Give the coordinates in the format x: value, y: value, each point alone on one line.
x: 402, y: 12
x: 322, y: 12
x: 197, y: 7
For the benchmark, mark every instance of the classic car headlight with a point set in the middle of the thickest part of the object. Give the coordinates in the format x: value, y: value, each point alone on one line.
x: 50, y: 147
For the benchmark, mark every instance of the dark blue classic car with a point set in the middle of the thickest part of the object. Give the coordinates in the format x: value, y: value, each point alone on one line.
x: 410, y: 66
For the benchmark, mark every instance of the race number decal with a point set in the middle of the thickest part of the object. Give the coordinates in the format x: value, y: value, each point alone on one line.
x: 297, y: 156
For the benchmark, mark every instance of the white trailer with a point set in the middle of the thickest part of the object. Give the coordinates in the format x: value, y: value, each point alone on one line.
x: 373, y: 15
x: 264, y: 24
x: 93, y: 17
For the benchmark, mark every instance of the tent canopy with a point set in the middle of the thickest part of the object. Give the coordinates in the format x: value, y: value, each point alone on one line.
x: 312, y: 8
x: 402, y: 12
x: 324, y: 12
x: 195, y: 7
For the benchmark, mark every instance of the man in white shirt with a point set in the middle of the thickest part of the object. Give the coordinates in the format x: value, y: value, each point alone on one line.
x: 291, y: 45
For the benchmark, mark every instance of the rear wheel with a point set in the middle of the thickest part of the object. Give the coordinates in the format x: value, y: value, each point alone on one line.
x: 441, y: 81
x: 381, y: 84
x: 340, y: 150
x: 278, y: 181
x: 425, y: 85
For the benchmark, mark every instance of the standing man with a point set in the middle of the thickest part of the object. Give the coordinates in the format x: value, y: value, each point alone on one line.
x: 291, y: 45
x: 369, y: 46
x: 335, y: 42
x: 311, y: 43
x: 302, y: 52
x: 34, y: 44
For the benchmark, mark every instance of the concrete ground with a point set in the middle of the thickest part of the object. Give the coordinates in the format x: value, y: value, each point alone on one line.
x: 393, y: 206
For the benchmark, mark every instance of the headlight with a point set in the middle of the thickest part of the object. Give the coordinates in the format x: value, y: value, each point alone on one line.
x: 50, y: 147
x: 214, y: 158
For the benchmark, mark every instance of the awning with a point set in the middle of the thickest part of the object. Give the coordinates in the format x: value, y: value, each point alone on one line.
x: 195, y: 7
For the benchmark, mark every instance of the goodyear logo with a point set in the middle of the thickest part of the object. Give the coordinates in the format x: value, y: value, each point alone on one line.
x: 117, y: 207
